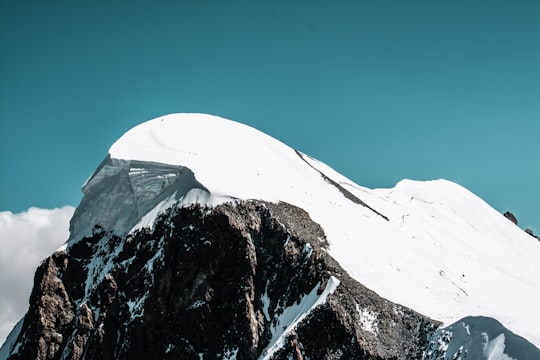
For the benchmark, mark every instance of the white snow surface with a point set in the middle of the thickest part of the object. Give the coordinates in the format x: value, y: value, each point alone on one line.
x: 443, y: 251
x: 368, y: 319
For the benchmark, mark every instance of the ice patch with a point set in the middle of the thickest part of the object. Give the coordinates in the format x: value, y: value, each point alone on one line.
x: 230, y: 354
x: 307, y: 251
x: 136, y: 307
x: 196, y: 304
x: 148, y: 220
x: 266, y: 303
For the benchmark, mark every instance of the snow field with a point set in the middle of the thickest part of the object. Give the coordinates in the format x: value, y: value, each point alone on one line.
x: 443, y: 251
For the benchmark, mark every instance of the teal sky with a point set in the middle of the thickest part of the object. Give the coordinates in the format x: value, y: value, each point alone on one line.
x: 379, y: 90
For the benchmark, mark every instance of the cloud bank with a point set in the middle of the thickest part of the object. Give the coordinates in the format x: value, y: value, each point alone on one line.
x: 25, y: 239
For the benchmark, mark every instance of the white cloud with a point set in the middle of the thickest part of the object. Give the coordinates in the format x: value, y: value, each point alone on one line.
x: 25, y: 240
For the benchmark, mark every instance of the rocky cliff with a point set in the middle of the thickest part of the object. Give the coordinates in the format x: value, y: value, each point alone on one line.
x: 246, y: 281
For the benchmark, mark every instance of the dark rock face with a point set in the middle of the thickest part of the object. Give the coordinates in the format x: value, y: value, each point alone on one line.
x: 510, y: 217
x: 211, y: 283
x: 513, y: 219
x: 48, y: 321
x: 530, y: 232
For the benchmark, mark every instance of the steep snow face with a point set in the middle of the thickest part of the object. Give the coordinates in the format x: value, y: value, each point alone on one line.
x: 432, y: 246
x: 124, y: 195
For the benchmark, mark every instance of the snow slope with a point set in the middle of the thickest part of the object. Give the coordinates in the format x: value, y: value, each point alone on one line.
x: 432, y: 246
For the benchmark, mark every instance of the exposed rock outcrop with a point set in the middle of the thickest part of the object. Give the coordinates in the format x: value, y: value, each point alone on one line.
x: 510, y: 217
x: 530, y: 232
x: 48, y: 322
x: 246, y: 280
x: 513, y: 219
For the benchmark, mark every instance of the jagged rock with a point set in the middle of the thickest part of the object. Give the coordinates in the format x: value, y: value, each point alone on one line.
x: 49, y: 320
x: 510, y: 217
x: 530, y: 232
x: 213, y: 283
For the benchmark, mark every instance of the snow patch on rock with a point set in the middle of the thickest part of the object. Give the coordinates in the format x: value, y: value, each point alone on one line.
x: 290, y: 317
x: 368, y: 319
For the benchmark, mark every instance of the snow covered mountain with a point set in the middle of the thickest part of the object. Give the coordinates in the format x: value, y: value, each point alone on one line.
x: 223, y: 209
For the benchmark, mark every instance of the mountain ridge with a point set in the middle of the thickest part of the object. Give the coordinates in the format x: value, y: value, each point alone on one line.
x: 253, y: 165
x: 431, y: 246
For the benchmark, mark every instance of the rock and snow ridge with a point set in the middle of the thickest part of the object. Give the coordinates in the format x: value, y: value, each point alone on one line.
x: 242, y: 280
x: 432, y: 246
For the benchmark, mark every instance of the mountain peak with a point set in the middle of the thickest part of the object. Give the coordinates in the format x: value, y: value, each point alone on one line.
x: 217, y: 190
x: 429, y: 245
x: 176, y: 138
x: 228, y: 158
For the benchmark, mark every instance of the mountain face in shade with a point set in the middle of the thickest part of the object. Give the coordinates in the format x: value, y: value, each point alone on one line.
x: 198, y: 237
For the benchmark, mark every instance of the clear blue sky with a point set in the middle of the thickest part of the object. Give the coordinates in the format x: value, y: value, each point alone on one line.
x: 380, y: 90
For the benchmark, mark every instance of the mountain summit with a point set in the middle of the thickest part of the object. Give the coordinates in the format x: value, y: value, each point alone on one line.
x: 199, y: 237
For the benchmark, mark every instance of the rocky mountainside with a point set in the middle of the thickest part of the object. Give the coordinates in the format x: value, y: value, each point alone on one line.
x: 241, y: 281
x: 201, y: 238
